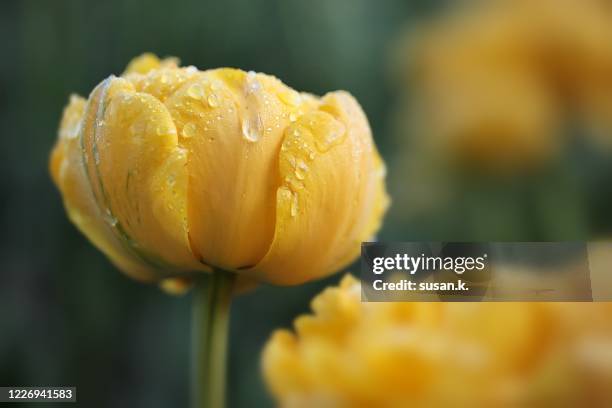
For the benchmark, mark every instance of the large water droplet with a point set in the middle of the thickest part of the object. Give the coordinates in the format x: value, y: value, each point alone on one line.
x: 292, y: 117
x: 213, y: 101
x: 252, y: 83
x: 189, y: 130
x: 195, y: 91
x: 251, y: 123
x: 251, y: 129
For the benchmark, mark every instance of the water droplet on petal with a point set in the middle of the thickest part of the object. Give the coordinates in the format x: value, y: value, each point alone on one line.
x: 292, y: 117
x: 251, y: 122
x: 189, y: 130
x: 252, y: 83
x: 195, y: 91
x: 213, y: 102
x: 251, y: 130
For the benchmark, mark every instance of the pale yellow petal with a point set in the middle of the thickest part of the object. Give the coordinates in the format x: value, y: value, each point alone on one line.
x: 325, y: 163
x: 138, y: 172
x: 79, y: 200
x: 231, y: 123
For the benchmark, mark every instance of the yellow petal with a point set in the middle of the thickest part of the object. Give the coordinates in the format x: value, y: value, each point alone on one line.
x: 231, y: 123
x: 138, y: 173
x: 69, y: 129
x: 326, y: 167
x: 148, y: 62
x: 68, y: 170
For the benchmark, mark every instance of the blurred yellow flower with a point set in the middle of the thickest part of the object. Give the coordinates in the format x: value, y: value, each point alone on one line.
x: 353, y: 354
x: 494, y: 82
x: 169, y: 170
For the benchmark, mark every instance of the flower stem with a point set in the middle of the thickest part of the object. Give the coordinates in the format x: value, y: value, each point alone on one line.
x: 210, y: 325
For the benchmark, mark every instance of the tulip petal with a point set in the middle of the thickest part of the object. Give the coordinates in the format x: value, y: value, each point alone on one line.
x: 138, y: 174
x: 232, y: 123
x: 68, y: 170
x: 326, y: 165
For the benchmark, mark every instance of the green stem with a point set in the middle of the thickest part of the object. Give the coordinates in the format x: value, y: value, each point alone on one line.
x: 210, y: 325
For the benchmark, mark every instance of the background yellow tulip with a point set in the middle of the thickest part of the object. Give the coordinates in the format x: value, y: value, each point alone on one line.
x: 353, y: 354
x: 170, y: 170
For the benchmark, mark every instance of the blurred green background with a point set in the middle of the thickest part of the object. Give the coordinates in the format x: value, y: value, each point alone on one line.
x: 67, y: 316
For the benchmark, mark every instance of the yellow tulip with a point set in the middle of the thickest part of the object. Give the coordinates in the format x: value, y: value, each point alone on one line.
x: 491, y: 85
x: 171, y: 170
x: 354, y: 354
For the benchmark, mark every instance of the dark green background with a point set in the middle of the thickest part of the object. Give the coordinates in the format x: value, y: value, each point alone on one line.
x: 68, y: 317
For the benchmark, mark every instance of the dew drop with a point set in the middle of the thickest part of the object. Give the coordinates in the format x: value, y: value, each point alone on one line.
x: 189, y: 130
x: 252, y: 83
x: 212, y: 100
x: 251, y: 123
x: 292, y: 117
x: 251, y: 130
x: 195, y: 91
